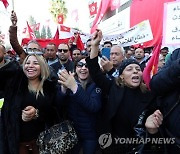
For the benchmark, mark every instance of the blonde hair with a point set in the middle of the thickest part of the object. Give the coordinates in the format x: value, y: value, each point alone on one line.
x: 119, y: 81
x: 45, y: 72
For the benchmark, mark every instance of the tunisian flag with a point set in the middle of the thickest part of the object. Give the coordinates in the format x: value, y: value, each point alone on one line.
x: 31, y: 33
x: 5, y: 2
x: 93, y: 9
x: 152, y: 65
x: 65, y: 29
x: 60, y: 19
x: 104, y: 5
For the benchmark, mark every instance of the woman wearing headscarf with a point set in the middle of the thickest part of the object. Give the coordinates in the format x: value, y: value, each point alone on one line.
x: 127, y: 99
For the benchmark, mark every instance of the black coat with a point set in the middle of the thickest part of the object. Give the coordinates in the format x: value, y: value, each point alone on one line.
x: 69, y: 66
x: 166, y: 83
x: 13, y: 83
x: 116, y: 95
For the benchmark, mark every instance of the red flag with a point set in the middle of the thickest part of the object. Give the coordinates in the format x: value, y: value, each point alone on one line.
x: 60, y: 19
x: 155, y: 17
x: 152, y: 65
x: 64, y: 28
x: 56, y: 36
x: 79, y: 43
x: 31, y: 33
x: 93, y: 8
x: 5, y: 2
x: 114, y: 4
x: 101, y: 11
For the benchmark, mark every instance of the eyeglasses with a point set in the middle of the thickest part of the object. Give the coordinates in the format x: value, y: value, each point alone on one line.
x: 34, y: 51
x: 81, y: 64
x: 63, y: 50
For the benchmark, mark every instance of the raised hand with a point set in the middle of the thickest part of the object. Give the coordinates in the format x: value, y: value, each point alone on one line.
x: 13, y: 18
x: 154, y: 121
x: 96, y: 39
x: 67, y: 80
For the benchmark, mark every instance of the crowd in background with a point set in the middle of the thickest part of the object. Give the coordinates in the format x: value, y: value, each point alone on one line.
x: 100, y: 89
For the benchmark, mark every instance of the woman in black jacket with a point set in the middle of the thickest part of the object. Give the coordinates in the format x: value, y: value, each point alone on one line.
x: 29, y: 100
x: 127, y: 99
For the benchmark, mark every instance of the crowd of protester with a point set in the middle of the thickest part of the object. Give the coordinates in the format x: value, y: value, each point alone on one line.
x: 104, y: 96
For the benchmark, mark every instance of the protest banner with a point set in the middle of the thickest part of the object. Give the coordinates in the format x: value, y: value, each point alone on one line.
x: 171, y: 29
x: 137, y: 34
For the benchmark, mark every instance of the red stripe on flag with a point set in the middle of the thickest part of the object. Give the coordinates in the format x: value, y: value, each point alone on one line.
x: 56, y: 36
x: 79, y: 43
x: 5, y: 2
x: 64, y: 28
x: 104, y: 5
x: 152, y: 65
x: 31, y: 33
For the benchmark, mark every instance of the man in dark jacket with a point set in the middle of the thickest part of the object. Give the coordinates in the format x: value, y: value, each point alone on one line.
x: 166, y: 83
x: 64, y: 61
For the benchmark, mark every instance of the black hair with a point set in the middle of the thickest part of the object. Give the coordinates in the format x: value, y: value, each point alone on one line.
x: 88, y: 40
x: 108, y: 42
x: 76, y: 49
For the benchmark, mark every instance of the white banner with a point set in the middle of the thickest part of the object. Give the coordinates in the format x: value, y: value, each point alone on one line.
x: 138, y: 34
x: 171, y: 29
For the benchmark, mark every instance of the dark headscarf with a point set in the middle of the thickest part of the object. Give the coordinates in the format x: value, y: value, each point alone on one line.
x: 125, y: 63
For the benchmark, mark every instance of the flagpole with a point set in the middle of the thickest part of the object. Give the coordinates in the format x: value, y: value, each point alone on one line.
x: 13, y: 5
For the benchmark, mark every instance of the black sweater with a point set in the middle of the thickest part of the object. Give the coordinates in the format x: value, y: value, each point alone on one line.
x: 124, y: 104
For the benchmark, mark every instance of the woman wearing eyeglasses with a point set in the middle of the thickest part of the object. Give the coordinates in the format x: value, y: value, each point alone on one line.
x: 28, y: 104
x: 83, y: 104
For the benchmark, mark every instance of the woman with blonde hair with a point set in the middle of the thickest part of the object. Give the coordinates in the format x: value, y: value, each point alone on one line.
x: 28, y: 104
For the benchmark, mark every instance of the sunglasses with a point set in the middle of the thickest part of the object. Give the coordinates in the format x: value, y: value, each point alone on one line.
x: 81, y: 64
x: 63, y: 50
